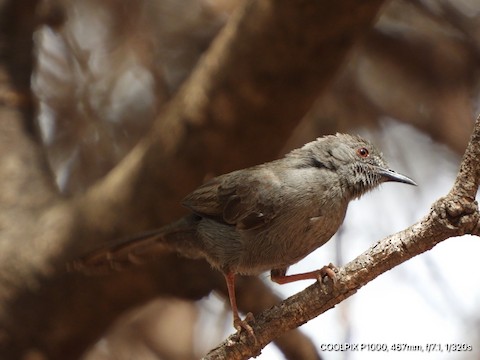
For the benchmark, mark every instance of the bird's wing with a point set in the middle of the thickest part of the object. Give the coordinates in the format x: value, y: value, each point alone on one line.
x: 243, y: 199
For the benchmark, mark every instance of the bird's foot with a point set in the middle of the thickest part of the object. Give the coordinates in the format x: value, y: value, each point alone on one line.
x: 328, y: 272
x: 240, y: 325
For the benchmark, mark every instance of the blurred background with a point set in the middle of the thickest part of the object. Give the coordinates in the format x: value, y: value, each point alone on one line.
x: 105, y: 71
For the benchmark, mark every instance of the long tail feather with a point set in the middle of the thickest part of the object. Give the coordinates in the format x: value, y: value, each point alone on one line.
x: 140, y: 248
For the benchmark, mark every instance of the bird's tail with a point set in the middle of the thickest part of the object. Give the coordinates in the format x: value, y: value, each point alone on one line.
x: 179, y: 236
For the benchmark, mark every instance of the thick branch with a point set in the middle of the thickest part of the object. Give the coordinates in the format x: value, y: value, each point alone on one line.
x: 259, y: 78
x: 255, y: 83
x: 454, y: 215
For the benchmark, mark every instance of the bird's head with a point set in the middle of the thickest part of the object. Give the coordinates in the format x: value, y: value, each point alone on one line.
x: 360, y: 165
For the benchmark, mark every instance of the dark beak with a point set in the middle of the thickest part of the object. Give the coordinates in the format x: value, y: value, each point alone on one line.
x: 390, y: 175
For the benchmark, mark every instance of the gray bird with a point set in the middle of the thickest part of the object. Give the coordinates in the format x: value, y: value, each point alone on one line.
x: 266, y: 217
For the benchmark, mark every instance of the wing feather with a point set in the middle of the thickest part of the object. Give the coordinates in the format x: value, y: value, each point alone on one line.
x: 233, y: 200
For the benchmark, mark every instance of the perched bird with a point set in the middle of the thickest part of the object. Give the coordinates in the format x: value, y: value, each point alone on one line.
x: 266, y: 217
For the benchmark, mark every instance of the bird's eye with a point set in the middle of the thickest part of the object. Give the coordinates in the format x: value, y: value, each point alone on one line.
x: 363, y: 152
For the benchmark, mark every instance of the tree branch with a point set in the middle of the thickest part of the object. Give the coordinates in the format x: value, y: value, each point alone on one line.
x: 257, y: 80
x: 468, y: 178
x: 453, y: 215
x: 247, y: 88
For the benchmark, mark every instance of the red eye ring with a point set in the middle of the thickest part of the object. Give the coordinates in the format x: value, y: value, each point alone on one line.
x: 363, y: 152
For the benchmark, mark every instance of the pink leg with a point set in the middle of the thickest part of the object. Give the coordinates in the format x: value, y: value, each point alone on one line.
x: 328, y: 270
x: 237, y: 322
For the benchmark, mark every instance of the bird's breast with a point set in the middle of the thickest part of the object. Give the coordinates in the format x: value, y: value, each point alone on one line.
x: 287, y: 240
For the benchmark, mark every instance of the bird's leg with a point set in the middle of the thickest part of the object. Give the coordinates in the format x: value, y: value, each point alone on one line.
x: 279, y: 275
x: 238, y: 323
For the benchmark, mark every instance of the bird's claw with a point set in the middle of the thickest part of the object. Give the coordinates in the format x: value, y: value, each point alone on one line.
x: 240, y: 325
x: 328, y: 272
